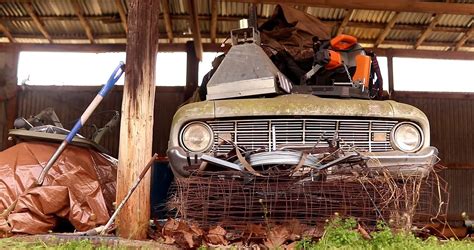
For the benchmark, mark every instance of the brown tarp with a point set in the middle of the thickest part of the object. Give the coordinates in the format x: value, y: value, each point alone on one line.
x: 80, y: 187
x: 292, y: 30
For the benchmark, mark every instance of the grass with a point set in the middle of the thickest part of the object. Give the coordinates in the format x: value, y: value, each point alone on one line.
x: 343, y: 234
x: 18, y: 243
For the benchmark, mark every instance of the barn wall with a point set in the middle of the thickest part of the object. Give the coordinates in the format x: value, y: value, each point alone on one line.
x: 70, y: 101
x: 8, y: 82
x: 451, y: 118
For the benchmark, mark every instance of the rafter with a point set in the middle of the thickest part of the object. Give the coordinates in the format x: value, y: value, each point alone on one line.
x: 165, y: 6
x: 465, y: 38
x: 6, y: 32
x: 84, y: 23
x: 386, y: 5
x: 113, y: 19
x: 346, y: 20
x: 213, y: 26
x: 122, y: 14
x: 37, y: 21
x: 387, y: 29
x: 122, y: 36
x: 194, y: 23
x: 428, y: 30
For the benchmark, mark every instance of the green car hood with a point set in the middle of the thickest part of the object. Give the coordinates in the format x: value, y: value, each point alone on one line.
x: 296, y: 105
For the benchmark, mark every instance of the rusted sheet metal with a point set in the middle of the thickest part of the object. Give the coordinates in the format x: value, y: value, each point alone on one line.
x: 461, y: 195
x: 451, y: 122
x: 70, y: 101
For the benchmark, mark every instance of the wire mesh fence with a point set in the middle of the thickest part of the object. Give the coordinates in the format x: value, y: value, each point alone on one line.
x: 235, y: 199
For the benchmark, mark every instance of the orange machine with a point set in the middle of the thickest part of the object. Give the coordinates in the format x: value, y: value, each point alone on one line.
x: 340, y: 52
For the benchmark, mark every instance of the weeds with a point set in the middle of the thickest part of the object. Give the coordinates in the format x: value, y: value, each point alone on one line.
x: 344, y: 234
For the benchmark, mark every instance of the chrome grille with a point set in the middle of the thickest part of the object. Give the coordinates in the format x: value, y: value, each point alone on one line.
x: 258, y: 133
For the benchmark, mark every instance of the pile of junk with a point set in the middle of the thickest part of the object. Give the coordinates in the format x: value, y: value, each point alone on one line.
x: 78, y: 191
x: 246, y: 161
x: 54, y: 179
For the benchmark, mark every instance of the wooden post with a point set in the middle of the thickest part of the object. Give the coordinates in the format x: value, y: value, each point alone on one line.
x: 136, y: 127
x: 391, y: 90
x: 192, y: 70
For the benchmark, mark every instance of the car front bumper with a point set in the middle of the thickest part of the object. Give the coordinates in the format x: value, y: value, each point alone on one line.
x: 396, y: 162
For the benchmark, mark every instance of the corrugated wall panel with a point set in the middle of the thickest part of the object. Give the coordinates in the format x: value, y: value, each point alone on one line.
x: 461, y: 195
x: 70, y: 102
x: 451, y: 120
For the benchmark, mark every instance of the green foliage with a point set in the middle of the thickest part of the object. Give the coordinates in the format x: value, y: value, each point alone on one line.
x: 343, y: 234
x: 70, y: 245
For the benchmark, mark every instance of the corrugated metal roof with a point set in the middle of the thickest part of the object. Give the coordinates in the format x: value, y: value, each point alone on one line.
x: 327, y: 13
x: 63, y: 27
x: 414, y: 18
x: 53, y: 8
x: 372, y: 16
x: 363, y: 33
x: 12, y: 9
x: 110, y: 29
x: 177, y: 7
x: 99, y: 27
x: 442, y: 37
x: 455, y: 20
x: 21, y: 27
x: 403, y: 35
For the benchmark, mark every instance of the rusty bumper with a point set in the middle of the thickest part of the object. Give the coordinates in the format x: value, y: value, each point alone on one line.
x: 396, y: 162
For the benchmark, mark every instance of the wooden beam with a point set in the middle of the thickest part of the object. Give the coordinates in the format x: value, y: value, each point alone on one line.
x: 122, y: 14
x: 428, y: 30
x: 391, y: 88
x: 39, y: 25
x: 97, y: 48
x: 439, y: 95
x: 15, y: 1
x: 113, y: 19
x: 84, y: 23
x: 465, y: 37
x: 6, y: 32
x: 346, y: 20
x: 192, y: 70
x: 387, y: 29
x: 165, y: 7
x: 431, y: 54
x: 195, y: 29
x: 136, y: 127
x: 213, y: 26
x: 211, y: 47
x: 385, y: 5
x: 122, y: 36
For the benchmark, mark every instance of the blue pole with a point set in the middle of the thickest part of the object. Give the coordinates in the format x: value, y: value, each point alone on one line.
x: 82, y: 120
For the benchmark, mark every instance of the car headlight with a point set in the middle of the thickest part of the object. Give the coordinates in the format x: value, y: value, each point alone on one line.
x: 407, y: 137
x: 197, y: 137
